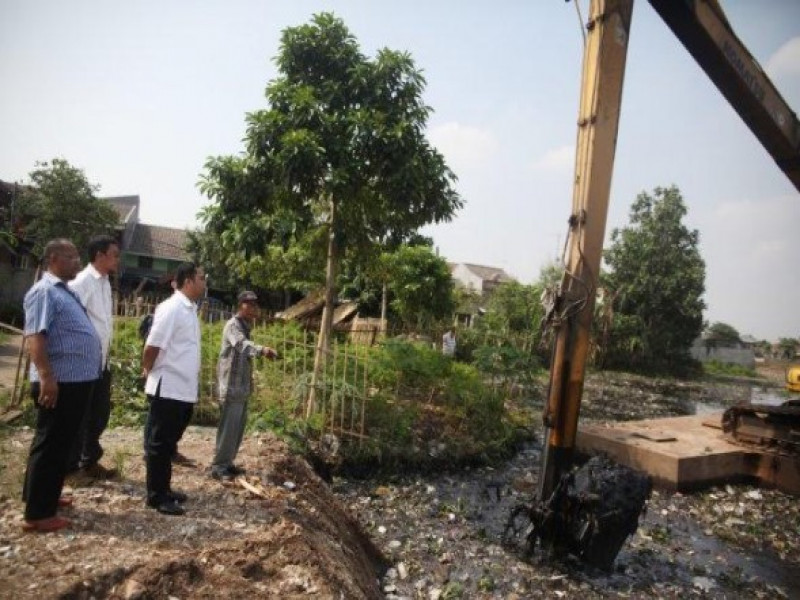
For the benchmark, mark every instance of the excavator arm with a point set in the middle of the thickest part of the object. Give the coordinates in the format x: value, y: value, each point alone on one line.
x: 702, y: 27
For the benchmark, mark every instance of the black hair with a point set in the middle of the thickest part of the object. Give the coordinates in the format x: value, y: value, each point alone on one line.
x: 185, y: 271
x: 98, y: 244
x: 53, y: 247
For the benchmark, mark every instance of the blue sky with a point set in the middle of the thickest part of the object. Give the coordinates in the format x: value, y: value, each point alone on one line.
x: 139, y: 94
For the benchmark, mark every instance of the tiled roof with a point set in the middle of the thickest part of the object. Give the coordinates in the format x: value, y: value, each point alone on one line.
x: 124, y: 205
x: 489, y: 273
x: 159, y: 242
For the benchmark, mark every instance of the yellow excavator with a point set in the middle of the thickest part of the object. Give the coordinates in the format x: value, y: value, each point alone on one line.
x: 793, y: 379
x: 589, y: 511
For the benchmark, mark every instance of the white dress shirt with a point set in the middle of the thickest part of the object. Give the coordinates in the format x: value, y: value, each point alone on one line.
x: 94, y: 291
x: 176, y: 333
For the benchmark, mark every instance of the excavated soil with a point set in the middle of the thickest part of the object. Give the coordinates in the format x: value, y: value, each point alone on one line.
x: 286, y: 536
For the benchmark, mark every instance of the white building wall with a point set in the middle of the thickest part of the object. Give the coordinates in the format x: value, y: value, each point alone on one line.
x: 738, y: 356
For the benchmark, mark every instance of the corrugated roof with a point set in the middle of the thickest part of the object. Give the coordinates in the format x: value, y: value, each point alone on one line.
x: 159, y: 242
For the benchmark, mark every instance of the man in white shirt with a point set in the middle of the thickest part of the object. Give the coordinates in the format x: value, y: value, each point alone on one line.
x: 171, y: 365
x: 93, y: 289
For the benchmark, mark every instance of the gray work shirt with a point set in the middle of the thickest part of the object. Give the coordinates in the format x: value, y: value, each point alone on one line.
x: 234, y: 369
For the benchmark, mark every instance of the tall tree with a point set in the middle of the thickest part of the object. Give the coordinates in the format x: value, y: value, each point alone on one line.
x: 657, y: 280
x: 60, y: 202
x: 341, y: 147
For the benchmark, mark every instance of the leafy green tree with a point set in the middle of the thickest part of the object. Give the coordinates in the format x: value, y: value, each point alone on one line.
x: 420, y: 286
x: 657, y: 280
x: 550, y: 275
x: 722, y: 332
x: 787, y: 348
x: 341, y: 149
x: 60, y: 202
x: 255, y: 248
x: 365, y: 277
x: 514, y: 307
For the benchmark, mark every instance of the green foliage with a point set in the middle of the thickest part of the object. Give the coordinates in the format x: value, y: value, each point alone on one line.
x: 787, y: 348
x: 60, y: 189
x: 714, y: 367
x: 399, y: 363
x: 413, y: 398
x: 128, y: 402
x: 514, y: 307
x: 657, y: 280
x: 420, y: 284
x: 550, y: 275
x: 722, y: 332
x: 336, y: 165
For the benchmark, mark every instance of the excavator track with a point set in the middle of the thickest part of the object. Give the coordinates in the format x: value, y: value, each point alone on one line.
x: 774, y: 429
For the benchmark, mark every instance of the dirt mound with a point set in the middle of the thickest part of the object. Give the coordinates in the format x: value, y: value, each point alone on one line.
x: 280, y: 533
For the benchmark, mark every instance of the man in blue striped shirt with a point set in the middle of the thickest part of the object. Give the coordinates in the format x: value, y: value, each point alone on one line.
x: 66, y: 354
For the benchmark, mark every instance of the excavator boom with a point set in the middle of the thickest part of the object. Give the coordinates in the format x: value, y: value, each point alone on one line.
x: 703, y: 29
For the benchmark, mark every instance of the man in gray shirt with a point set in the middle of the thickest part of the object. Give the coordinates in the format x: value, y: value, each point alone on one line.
x: 234, y: 375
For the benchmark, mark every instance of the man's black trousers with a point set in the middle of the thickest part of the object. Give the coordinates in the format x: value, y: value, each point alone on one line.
x: 166, y: 421
x: 56, y: 430
x: 87, y: 450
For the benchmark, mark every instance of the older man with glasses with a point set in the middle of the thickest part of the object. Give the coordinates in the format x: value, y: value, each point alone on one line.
x: 66, y: 357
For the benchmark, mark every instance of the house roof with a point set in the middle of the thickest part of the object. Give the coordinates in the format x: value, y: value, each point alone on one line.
x: 489, y: 273
x: 6, y: 187
x: 159, y: 242
x: 126, y: 206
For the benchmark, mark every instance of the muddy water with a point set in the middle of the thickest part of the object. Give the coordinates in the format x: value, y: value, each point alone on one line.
x: 770, y: 396
x: 445, y: 532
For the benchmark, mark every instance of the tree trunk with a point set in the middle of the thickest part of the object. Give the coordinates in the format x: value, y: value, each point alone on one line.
x: 326, y: 324
x: 384, y: 293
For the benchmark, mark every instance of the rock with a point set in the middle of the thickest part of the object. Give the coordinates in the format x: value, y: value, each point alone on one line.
x: 402, y: 571
x: 705, y: 584
x: 133, y: 590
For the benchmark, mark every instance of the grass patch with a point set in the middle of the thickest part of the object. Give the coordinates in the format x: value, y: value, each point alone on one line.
x: 714, y: 367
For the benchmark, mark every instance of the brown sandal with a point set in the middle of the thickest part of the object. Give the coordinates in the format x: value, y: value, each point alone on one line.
x: 46, y: 525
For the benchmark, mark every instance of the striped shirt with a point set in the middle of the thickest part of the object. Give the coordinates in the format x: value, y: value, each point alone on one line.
x: 234, y: 371
x: 73, y: 347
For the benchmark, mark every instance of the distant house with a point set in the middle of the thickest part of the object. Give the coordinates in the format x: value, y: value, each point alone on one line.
x: 150, y: 253
x: 478, y: 278
x: 17, y: 262
x: 707, y: 348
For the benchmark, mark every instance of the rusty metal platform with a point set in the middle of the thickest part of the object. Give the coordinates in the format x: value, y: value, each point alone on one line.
x: 687, y: 453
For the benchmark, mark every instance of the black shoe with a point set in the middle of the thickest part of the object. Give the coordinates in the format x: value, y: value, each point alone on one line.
x: 168, y: 507
x: 183, y: 460
x: 221, y: 474
x: 98, y: 471
x: 176, y: 496
x: 234, y: 470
